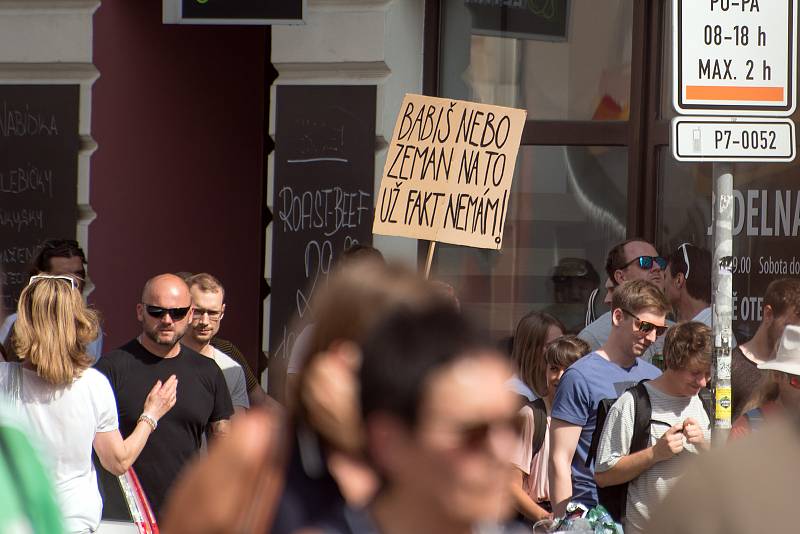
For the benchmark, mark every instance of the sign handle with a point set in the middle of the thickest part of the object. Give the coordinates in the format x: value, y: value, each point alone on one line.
x: 429, y: 261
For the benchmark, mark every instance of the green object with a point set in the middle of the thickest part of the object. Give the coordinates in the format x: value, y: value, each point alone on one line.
x: 27, y: 499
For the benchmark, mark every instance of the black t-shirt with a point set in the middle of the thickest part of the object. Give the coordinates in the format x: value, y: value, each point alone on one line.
x: 202, y: 398
x: 745, y: 377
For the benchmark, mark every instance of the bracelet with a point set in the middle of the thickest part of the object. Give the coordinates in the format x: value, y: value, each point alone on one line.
x: 149, y: 420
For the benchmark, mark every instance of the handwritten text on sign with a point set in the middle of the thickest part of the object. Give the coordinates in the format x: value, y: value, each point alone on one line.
x: 448, y: 172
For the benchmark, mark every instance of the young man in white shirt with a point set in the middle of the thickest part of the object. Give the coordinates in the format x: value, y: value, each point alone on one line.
x: 679, y: 426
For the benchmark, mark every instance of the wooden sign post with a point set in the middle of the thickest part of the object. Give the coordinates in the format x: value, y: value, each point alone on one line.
x: 448, y: 173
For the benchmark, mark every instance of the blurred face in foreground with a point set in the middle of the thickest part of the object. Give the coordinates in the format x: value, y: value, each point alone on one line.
x: 455, y: 462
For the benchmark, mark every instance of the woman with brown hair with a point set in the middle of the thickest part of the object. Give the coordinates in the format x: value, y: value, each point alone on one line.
x: 534, y: 331
x: 69, y: 406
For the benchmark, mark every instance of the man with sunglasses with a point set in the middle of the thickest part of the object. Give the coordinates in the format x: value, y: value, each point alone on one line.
x: 634, y: 259
x: 679, y: 426
x: 440, y: 426
x: 638, y: 316
x: 781, y: 308
x: 203, y: 401
x: 208, y: 297
x: 56, y: 257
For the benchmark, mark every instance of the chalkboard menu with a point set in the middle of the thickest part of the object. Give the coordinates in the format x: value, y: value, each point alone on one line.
x: 234, y: 11
x: 523, y: 19
x: 323, y: 196
x: 39, y: 145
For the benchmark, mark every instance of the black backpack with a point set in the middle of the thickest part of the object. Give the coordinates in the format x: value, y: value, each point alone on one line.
x: 614, y: 498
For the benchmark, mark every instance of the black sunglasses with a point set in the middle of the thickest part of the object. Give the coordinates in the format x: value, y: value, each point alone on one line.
x: 158, y: 312
x: 646, y: 262
x: 645, y: 327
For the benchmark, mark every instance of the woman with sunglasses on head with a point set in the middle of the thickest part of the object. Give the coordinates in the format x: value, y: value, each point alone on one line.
x: 69, y: 406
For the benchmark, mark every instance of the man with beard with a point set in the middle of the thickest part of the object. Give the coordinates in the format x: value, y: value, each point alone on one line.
x: 208, y: 298
x: 781, y: 308
x: 204, y: 403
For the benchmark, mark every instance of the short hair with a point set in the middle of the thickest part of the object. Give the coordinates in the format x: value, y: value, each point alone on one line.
x: 402, y: 353
x: 55, y: 248
x: 528, y: 349
x: 360, y: 253
x: 687, y: 344
x: 698, y: 284
x: 565, y: 350
x: 783, y: 295
x: 53, y: 329
x: 616, y: 258
x: 206, y: 282
x: 636, y: 295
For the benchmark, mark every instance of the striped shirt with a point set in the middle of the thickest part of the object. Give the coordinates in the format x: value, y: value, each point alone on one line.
x: 649, y: 488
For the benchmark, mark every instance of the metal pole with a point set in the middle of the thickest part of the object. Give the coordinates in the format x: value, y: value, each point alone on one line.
x: 722, y: 300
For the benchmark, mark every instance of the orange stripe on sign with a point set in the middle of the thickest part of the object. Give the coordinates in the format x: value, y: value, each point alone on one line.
x: 753, y: 94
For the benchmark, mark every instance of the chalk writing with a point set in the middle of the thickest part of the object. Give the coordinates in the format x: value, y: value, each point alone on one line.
x: 330, y: 209
x: 22, y: 122
x: 27, y: 179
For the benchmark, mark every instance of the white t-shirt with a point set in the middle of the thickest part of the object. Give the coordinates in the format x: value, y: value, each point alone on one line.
x: 649, y: 488
x: 234, y: 378
x: 63, y: 422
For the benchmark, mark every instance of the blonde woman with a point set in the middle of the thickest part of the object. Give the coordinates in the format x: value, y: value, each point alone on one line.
x: 70, y: 407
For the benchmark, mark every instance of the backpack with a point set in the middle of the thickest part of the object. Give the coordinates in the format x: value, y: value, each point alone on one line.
x: 614, y: 498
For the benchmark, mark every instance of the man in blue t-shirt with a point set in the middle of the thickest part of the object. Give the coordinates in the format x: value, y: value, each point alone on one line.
x: 639, y: 310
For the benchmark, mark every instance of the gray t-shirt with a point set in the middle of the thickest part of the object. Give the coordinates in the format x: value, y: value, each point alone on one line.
x: 234, y: 378
x: 596, y: 334
x: 649, y: 488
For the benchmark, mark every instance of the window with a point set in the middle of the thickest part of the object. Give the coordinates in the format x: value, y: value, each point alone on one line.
x: 570, y: 63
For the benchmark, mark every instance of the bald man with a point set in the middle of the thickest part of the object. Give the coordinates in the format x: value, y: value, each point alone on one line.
x: 203, y: 405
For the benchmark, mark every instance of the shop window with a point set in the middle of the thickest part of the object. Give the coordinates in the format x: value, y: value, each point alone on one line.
x: 766, y: 225
x: 568, y: 207
x: 559, y: 59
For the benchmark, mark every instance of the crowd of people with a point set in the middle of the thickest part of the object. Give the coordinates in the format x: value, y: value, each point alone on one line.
x: 400, y: 415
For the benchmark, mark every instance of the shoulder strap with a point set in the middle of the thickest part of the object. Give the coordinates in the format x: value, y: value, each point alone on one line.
x: 641, y: 417
x: 539, y: 424
x: 600, y: 420
x: 754, y: 418
x: 14, y: 382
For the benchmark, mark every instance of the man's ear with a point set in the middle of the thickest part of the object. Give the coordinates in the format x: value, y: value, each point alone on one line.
x: 222, y: 312
x: 768, y: 315
x: 619, y: 276
x: 617, y: 315
x: 140, y: 312
x: 386, y: 437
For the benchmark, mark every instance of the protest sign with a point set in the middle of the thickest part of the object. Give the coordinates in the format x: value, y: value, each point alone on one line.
x: 448, y: 172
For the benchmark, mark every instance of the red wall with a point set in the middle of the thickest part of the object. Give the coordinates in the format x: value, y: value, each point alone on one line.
x: 178, y: 114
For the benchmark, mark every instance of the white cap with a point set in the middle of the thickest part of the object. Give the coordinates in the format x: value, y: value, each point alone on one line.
x: 787, y: 360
